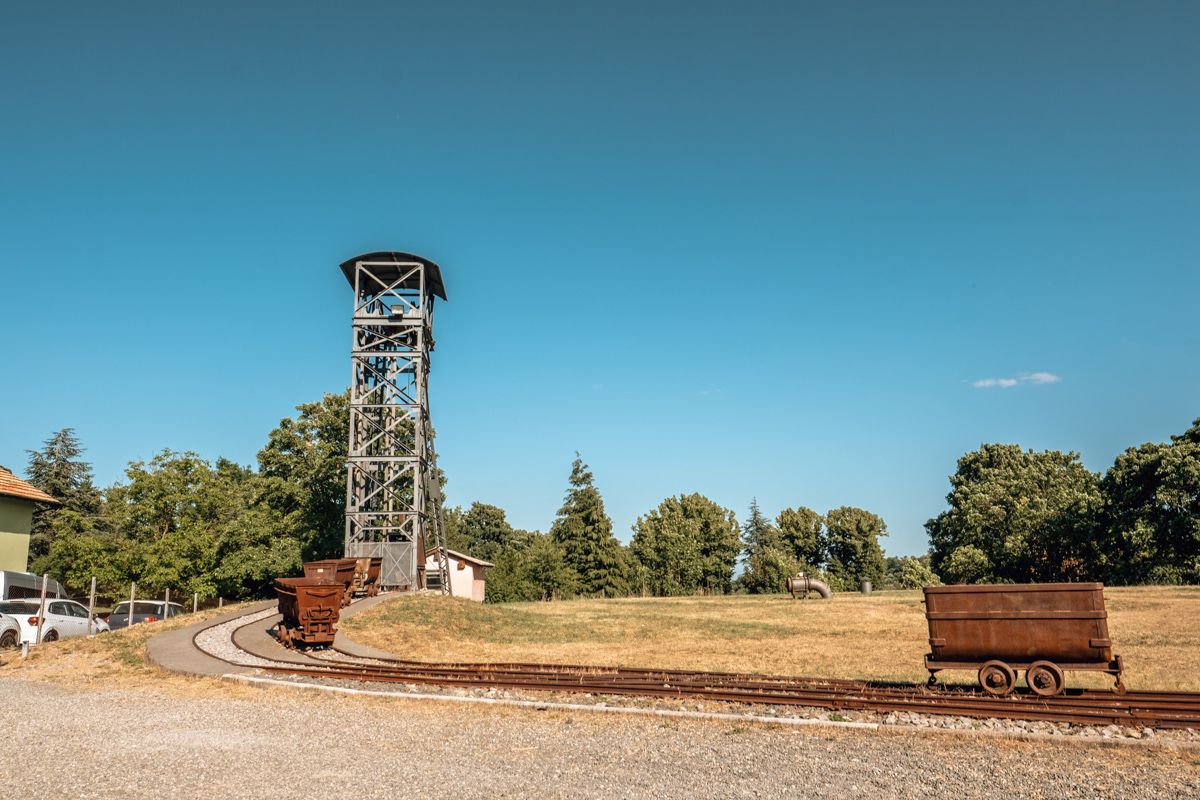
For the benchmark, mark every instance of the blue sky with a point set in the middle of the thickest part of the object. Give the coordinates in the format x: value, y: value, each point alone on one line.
x: 748, y: 250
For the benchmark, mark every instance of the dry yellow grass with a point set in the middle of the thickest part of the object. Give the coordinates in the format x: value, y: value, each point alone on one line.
x: 879, y: 637
x: 116, y: 659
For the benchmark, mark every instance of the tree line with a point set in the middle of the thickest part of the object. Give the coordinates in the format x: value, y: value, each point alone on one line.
x: 178, y: 521
x: 181, y: 522
x: 1023, y: 516
x: 687, y: 545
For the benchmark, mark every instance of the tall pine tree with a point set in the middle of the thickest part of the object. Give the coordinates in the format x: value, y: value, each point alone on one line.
x: 758, y: 533
x: 585, y: 534
x: 57, y: 470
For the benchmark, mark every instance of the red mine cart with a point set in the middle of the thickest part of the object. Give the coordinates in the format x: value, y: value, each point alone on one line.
x: 366, y: 576
x: 310, y: 609
x: 334, y: 570
x: 1043, y: 629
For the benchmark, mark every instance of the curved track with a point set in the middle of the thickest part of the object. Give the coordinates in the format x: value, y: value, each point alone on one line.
x: 1079, y: 707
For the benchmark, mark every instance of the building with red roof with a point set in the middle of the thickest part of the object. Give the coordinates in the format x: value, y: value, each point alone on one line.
x: 18, y: 501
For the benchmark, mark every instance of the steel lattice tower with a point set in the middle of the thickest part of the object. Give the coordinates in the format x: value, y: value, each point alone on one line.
x: 393, y: 497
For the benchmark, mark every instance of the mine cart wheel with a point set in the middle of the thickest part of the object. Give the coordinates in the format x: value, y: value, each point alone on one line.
x: 285, y: 637
x: 1045, y: 678
x: 997, y: 678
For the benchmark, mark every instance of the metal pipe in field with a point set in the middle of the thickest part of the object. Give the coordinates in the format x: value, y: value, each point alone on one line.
x: 802, y: 585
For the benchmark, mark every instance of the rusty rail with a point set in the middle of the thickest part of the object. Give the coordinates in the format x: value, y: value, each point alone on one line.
x: 1141, y: 709
x: 1075, y: 706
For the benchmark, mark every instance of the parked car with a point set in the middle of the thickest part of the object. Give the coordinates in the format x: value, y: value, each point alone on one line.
x: 143, y: 611
x: 63, y: 618
x: 10, y: 632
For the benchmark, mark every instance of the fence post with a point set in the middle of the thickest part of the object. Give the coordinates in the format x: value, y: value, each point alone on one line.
x: 132, y: 590
x: 91, y: 605
x: 167, y: 605
x: 220, y: 602
x: 195, y: 602
x: 42, y: 608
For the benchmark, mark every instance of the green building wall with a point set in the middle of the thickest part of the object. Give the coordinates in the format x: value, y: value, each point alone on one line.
x: 15, y: 518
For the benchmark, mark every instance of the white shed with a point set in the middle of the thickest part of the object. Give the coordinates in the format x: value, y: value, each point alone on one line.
x: 466, y: 574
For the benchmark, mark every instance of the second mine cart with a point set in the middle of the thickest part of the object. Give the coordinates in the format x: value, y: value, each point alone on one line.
x: 310, y: 609
x: 334, y: 570
x: 1042, y: 628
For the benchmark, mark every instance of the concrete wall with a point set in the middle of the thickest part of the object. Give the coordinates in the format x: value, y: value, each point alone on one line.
x: 16, y: 516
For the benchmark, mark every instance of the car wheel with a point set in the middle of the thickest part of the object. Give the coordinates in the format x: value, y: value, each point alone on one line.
x: 9, y: 640
x: 50, y: 636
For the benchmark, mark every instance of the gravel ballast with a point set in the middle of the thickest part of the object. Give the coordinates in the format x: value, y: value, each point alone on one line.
x: 217, y: 641
x: 118, y: 743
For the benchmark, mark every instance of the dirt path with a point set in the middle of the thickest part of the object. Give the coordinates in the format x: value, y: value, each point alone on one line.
x: 228, y: 743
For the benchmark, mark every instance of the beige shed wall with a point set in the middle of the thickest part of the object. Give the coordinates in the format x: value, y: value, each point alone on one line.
x: 16, y: 517
x: 467, y: 582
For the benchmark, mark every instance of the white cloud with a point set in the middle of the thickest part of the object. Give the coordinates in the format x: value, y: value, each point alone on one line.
x: 1006, y: 383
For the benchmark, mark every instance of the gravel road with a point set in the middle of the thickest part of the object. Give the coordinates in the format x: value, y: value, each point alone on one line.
x: 243, y: 743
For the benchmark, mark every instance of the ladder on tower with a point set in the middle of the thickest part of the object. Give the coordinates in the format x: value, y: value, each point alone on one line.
x: 439, y: 524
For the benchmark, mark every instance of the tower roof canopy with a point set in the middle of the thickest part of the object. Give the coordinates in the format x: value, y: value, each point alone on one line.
x: 390, y: 271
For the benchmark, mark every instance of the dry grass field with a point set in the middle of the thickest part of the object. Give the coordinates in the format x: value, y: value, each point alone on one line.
x: 109, y: 659
x: 880, y: 636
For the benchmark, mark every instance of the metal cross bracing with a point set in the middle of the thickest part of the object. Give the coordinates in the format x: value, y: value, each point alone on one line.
x: 393, y: 496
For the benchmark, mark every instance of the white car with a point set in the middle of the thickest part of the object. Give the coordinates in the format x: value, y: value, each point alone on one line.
x: 10, y: 633
x: 63, y: 618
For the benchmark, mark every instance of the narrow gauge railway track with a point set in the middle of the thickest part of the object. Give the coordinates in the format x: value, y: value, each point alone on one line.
x: 1078, y: 707
x: 1152, y: 709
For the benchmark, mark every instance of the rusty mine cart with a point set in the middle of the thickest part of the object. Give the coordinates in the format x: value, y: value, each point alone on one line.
x: 1044, y: 629
x: 334, y: 570
x: 310, y: 609
x: 366, y: 576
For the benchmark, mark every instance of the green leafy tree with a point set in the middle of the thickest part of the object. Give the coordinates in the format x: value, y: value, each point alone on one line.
x: 802, y: 535
x: 916, y: 574
x: 1026, y: 517
x: 968, y: 564
x: 767, y: 572
x: 167, y: 520
x: 57, y: 470
x: 687, y: 544
x: 303, y: 467
x: 508, y: 581
x: 1151, y: 519
x: 547, y: 569
x: 854, y: 551
x: 486, y: 532
x: 584, y: 532
x: 256, y: 546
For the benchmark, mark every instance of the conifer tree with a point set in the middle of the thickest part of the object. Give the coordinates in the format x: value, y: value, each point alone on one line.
x: 57, y: 470
x: 584, y: 532
x: 758, y: 533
